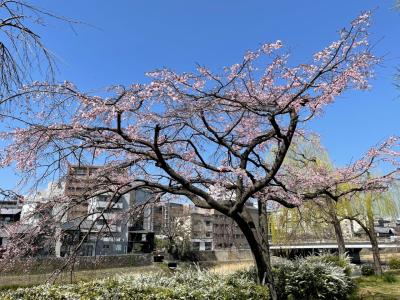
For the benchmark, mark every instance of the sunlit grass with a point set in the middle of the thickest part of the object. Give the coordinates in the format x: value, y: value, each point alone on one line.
x: 375, y: 287
x: 367, y: 257
x: 230, y: 267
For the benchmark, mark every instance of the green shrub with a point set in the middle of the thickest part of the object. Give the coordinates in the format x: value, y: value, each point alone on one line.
x: 389, y: 277
x: 188, y: 284
x: 341, y: 261
x: 309, y: 279
x: 394, y: 263
x: 314, y: 277
x: 367, y: 270
x: 249, y: 274
x: 282, y: 272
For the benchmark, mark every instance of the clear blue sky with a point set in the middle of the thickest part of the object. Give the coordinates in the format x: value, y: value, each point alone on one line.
x: 130, y: 37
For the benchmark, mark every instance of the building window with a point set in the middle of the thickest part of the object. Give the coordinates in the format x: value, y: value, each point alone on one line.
x: 115, y: 199
x: 80, y: 171
x: 208, y: 246
x: 208, y: 223
x: 101, y: 222
x: 102, y: 198
x: 196, y: 245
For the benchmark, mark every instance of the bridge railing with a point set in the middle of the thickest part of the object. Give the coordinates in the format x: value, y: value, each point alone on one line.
x: 333, y: 241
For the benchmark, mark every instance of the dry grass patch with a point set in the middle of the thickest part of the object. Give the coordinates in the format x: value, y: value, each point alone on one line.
x: 375, y: 287
x: 231, y: 266
x: 385, y: 257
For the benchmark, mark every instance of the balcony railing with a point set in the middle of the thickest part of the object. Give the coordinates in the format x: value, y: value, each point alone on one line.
x: 104, y: 204
x: 105, y: 228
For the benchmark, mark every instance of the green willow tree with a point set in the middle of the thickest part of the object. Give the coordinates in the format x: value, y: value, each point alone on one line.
x: 363, y: 210
x: 343, y: 202
x: 317, y: 219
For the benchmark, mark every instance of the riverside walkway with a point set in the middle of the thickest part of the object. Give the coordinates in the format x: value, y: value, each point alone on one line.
x: 308, y: 247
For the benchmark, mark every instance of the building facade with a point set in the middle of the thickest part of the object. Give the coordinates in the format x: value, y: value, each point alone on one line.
x: 209, y: 229
x: 96, y: 220
x: 202, y: 228
x: 10, y: 212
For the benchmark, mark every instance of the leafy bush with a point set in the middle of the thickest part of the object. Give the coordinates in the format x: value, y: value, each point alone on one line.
x: 282, y: 272
x: 389, y: 277
x: 318, y: 280
x: 314, y: 277
x: 341, y: 261
x: 188, y: 284
x: 247, y: 274
x: 394, y: 263
x: 367, y: 270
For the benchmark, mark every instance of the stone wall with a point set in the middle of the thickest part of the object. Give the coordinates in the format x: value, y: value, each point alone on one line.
x: 50, y: 264
x: 224, y: 255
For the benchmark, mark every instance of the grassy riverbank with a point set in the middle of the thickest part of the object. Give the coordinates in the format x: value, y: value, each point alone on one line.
x: 379, y: 288
x: 371, y: 287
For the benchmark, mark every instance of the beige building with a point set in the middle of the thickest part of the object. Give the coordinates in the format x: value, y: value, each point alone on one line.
x: 77, y: 184
x: 115, y: 222
x: 227, y: 234
x: 209, y: 229
x: 159, y: 217
x: 202, y: 224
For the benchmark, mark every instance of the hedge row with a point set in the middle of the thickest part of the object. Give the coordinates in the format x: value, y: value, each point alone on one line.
x: 322, y: 277
x: 188, y: 284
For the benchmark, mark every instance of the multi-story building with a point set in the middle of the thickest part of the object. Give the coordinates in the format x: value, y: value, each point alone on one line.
x: 227, y: 234
x: 42, y: 203
x: 209, y: 229
x: 202, y: 224
x: 10, y: 212
x: 113, y: 227
x: 106, y: 229
x: 106, y: 224
x: 160, y: 216
x: 78, y: 183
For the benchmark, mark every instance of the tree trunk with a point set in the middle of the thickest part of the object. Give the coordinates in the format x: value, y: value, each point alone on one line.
x: 376, y: 256
x: 338, y: 229
x: 260, y: 249
x: 170, y: 245
x: 370, y: 231
x: 372, y: 235
x: 375, y: 248
x: 339, y: 235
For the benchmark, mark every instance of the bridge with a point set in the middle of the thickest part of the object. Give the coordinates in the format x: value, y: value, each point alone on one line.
x: 311, y: 247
